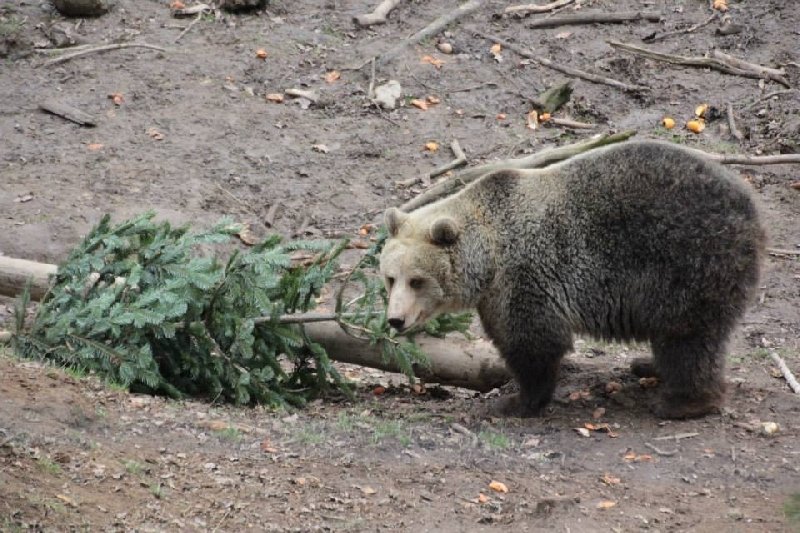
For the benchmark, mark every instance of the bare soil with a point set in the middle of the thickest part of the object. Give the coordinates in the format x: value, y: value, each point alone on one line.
x: 195, y: 139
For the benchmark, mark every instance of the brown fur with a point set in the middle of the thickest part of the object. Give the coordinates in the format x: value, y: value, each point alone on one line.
x: 639, y: 241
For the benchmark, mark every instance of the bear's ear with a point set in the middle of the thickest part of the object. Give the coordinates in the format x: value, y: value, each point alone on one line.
x: 394, y: 219
x: 444, y: 231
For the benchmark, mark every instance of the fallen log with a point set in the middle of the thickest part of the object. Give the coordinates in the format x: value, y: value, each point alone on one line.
x: 453, y: 360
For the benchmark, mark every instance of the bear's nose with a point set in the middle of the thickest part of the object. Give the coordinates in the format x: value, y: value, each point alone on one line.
x: 397, y: 323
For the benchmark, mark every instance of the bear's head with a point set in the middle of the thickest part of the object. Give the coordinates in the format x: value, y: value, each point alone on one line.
x: 417, y: 265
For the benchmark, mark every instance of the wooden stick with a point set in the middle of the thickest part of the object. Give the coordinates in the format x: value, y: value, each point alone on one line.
x: 537, y: 160
x: 98, y: 49
x: 595, y: 18
x: 68, y: 112
x: 719, y: 61
x: 769, y: 96
x: 561, y: 68
x: 678, y: 436
x: 656, y: 37
x: 14, y: 274
x: 379, y: 15
x: 569, y: 123
x: 732, y: 124
x: 534, y: 8
x: 781, y: 251
x: 189, y: 27
x: 787, y: 374
x: 754, y: 160
x: 659, y: 451
x: 430, y: 30
x: 460, y: 160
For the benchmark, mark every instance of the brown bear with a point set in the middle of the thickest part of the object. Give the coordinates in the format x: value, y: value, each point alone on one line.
x: 643, y: 241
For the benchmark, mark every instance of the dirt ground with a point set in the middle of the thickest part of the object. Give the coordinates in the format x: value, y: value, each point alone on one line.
x: 195, y: 139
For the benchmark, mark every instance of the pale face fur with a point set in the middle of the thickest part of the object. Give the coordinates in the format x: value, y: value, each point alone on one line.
x: 417, y: 271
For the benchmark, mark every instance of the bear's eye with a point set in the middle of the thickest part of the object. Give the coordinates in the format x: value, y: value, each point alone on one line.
x: 416, y: 283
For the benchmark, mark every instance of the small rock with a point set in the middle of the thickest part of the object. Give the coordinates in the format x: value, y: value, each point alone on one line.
x: 770, y: 428
x: 445, y: 48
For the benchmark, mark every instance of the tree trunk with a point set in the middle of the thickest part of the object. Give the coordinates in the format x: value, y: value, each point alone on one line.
x: 454, y: 360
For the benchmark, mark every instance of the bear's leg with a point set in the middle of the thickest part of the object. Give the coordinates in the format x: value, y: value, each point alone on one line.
x: 691, y: 369
x: 535, y: 366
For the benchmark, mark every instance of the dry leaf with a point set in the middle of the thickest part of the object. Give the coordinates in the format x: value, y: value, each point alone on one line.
x: 177, y: 4
x: 612, y: 387
x: 421, y: 104
x: 498, y: 486
x: 696, y: 126
x: 495, y: 49
x: 418, y: 389
x: 433, y: 61
x: 668, y: 122
x: 563, y: 34
x: 433, y: 100
x: 544, y: 117
x: 247, y: 236
x: 155, y: 134
x: 377, y: 391
x: 366, y: 229
x: 648, y: 383
x: 332, y: 76
x: 482, y: 498
x: 632, y: 457
x: 598, y: 413
x: 608, y: 479
x: 94, y: 146
x: 66, y: 499
x: 431, y: 146
x: 261, y: 53
x: 274, y: 97
x: 501, y: 116
x: 267, y: 447
x: 369, y: 491
x: 720, y: 5
x: 606, y: 504
x: 583, y: 432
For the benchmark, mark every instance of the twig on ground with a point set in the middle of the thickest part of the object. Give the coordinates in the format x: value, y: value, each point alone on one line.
x: 678, y: 436
x: 595, y: 18
x: 98, y: 49
x: 768, y: 96
x: 67, y: 112
x: 755, y: 160
x: 569, y: 123
x: 460, y: 160
x: 189, y: 27
x: 525, y: 9
x: 659, y: 451
x: 379, y: 15
x: 430, y: 30
x: 732, y: 124
x: 371, y: 89
x: 660, y: 37
x: 537, y: 160
x: 787, y: 373
x: 780, y: 251
x: 718, y: 61
x: 594, y: 78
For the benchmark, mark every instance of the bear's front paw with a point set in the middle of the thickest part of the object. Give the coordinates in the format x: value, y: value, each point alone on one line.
x: 513, y: 405
x: 644, y: 367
